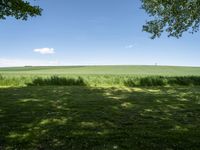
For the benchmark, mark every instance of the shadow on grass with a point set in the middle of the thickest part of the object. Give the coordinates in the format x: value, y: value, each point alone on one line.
x: 82, y: 118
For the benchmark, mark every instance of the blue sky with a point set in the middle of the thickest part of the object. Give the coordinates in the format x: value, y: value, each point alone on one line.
x: 91, y: 32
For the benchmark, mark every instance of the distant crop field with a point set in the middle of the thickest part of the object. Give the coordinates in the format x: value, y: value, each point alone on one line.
x: 114, y: 70
x: 100, y: 75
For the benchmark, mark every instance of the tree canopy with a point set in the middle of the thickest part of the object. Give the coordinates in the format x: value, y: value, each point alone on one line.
x: 173, y: 16
x: 19, y: 9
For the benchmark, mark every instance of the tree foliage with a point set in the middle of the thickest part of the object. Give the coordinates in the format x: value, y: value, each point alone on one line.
x: 173, y: 16
x: 19, y: 9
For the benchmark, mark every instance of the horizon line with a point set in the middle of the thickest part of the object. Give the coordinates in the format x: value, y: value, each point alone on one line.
x: 93, y: 65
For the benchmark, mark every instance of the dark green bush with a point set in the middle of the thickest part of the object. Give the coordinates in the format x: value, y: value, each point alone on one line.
x: 153, y: 81
x: 163, y: 81
x: 196, y: 80
x: 55, y: 80
x: 186, y: 81
x: 180, y: 81
x: 1, y: 77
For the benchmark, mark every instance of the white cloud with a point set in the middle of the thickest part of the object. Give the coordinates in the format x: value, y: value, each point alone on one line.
x: 129, y: 46
x: 7, y: 62
x: 44, y: 50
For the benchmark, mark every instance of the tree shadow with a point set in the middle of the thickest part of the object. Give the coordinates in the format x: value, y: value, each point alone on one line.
x: 74, y: 117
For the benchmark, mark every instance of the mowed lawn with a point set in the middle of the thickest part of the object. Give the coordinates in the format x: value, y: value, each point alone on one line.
x: 99, y: 118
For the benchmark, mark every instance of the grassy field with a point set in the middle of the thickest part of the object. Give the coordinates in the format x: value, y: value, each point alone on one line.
x: 96, y: 110
x: 99, y: 118
x: 106, y: 70
x: 104, y: 75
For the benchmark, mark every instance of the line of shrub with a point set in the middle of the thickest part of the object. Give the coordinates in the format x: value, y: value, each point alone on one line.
x: 98, y: 80
x: 55, y: 80
x: 163, y: 81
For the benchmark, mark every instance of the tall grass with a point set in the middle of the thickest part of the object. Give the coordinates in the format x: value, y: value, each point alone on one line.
x: 12, y: 81
x: 1, y: 77
x: 98, y: 80
x: 163, y: 81
x: 55, y: 80
x: 147, y: 81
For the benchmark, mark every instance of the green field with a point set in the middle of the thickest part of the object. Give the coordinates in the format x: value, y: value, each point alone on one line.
x: 101, y: 75
x: 100, y: 108
x: 111, y: 70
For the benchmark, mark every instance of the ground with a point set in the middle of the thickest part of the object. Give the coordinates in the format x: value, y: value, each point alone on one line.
x: 99, y: 118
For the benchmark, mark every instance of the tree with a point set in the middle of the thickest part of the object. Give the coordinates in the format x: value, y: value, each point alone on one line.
x: 173, y: 16
x: 19, y: 9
